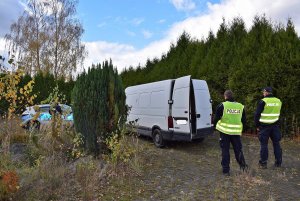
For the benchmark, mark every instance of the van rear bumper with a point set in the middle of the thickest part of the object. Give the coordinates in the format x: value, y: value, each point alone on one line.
x: 203, y: 132
x: 177, y: 136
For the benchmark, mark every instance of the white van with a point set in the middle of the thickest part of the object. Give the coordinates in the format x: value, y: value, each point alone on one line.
x: 175, y: 109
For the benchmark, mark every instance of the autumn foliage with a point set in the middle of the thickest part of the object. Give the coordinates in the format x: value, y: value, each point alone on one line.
x: 9, y: 181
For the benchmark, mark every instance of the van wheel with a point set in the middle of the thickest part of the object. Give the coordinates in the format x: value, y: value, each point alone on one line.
x: 157, y: 138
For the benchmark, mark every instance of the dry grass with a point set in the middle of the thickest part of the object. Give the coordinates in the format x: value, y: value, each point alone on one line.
x: 11, y: 132
x: 297, y: 138
x: 49, y: 171
x: 181, y: 171
x: 89, y: 174
x: 56, y: 179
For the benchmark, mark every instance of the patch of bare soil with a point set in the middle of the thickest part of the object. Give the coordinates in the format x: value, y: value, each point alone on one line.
x: 192, y: 171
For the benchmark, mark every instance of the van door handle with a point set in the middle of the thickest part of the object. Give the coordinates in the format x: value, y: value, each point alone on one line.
x: 198, y: 115
x: 186, y: 112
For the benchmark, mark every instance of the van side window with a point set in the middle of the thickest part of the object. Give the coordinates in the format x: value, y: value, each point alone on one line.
x: 156, y: 99
x: 144, y: 100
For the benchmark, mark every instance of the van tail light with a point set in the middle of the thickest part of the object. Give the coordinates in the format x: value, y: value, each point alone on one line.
x: 170, y: 122
x: 211, y: 119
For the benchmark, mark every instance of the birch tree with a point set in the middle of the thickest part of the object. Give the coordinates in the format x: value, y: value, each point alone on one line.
x: 47, y: 37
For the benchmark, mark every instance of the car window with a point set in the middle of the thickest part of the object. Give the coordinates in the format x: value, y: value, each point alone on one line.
x: 44, y: 109
x: 66, y: 109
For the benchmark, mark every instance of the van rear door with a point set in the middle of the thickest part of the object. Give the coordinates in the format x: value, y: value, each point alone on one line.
x: 181, y: 105
x: 203, y: 104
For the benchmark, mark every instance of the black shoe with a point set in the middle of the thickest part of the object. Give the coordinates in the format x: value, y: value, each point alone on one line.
x: 226, y: 173
x: 278, y: 165
x: 244, y: 168
x: 263, y: 165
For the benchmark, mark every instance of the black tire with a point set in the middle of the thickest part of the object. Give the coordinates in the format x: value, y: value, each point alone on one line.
x: 157, y: 138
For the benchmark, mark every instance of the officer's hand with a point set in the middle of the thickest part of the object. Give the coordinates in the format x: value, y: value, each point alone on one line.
x: 257, y: 129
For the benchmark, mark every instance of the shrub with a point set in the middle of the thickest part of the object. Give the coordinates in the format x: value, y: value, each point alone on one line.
x: 15, y: 98
x: 9, y: 179
x: 121, y: 150
x: 125, y: 151
x: 98, y: 103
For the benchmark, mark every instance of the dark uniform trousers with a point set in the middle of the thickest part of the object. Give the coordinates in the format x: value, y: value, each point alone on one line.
x: 235, y: 140
x: 273, y: 132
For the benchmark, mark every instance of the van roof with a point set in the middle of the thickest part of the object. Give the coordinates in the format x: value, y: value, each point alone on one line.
x: 165, y: 84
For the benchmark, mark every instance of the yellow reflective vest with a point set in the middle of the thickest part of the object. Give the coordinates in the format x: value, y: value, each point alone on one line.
x: 271, y: 111
x: 231, y: 121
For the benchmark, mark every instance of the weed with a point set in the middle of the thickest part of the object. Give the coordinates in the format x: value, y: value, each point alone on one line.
x: 271, y: 197
x: 89, y: 173
x: 124, y: 149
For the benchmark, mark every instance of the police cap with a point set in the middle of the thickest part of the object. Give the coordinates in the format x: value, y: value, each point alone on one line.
x: 267, y: 89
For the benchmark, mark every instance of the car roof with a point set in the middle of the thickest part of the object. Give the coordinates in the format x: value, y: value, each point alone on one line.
x: 48, y: 105
x: 30, y: 108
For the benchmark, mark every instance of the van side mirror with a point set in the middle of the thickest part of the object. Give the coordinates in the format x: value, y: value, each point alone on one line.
x: 170, y: 102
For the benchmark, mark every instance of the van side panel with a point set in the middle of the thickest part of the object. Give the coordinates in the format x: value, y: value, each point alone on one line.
x: 149, y: 108
x: 148, y: 105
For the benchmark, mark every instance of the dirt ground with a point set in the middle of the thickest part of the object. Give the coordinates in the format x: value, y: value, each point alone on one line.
x: 192, y: 171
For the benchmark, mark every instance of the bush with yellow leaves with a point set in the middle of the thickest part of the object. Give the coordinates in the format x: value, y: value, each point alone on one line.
x: 17, y: 98
x: 124, y: 147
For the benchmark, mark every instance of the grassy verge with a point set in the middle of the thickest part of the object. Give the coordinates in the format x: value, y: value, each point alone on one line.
x: 134, y: 169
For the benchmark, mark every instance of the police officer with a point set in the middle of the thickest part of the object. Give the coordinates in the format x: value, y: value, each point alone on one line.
x: 267, y: 124
x: 229, y: 121
x: 55, y: 108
